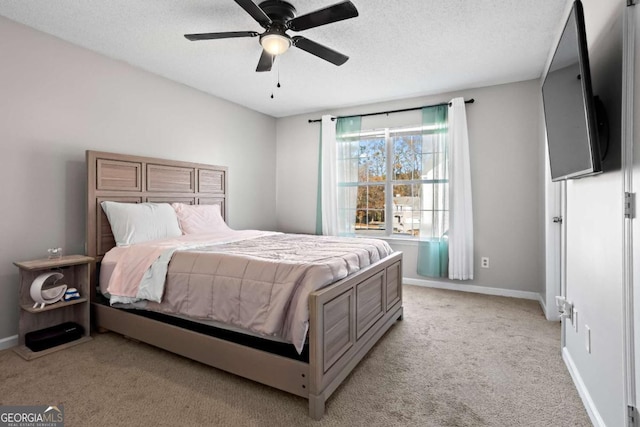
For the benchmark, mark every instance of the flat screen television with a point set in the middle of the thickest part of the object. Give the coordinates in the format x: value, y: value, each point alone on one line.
x: 569, y: 105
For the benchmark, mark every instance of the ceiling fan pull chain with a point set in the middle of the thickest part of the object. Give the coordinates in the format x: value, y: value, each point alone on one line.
x: 278, y: 82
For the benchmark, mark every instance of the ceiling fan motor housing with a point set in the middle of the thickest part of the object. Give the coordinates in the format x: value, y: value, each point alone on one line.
x: 278, y: 11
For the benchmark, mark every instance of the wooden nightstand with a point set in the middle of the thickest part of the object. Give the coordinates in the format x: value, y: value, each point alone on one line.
x: 76, y: 275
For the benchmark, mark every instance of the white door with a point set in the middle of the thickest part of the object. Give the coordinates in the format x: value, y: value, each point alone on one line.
x: 554, y: 240
x: 631, y: 165
x: 635, y: 186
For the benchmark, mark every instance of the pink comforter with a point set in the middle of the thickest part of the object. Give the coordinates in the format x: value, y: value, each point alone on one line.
x: 259, y: 282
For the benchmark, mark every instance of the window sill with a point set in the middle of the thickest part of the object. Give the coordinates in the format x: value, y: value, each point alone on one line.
x: 407, y: 241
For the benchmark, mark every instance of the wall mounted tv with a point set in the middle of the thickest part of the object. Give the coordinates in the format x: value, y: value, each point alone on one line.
x: 569, y: 105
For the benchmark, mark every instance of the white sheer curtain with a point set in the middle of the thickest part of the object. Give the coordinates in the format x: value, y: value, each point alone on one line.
x: 460, y: 202
x: 348, y: 152
x: 329, y: 180
x: 339, y: 175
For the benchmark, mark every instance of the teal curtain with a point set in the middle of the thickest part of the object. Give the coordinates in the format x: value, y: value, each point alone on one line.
x: 348, y: 128
x: 433, y: 247
x: 433, y: 258
x: 347, y: 155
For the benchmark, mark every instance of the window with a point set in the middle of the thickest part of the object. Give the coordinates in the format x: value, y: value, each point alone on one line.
x: 394, y: 182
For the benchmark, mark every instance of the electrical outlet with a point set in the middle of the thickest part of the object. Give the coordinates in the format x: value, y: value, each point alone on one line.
x: 587, y: 338
x: 484, y: 262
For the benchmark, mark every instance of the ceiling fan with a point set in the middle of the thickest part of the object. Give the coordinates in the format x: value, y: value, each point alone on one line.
x: 276, y: 17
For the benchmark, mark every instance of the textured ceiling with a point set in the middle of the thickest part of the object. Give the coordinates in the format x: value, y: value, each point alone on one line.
x: 397, y: 49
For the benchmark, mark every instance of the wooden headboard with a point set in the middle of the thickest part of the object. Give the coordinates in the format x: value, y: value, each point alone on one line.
x: 134, y: 179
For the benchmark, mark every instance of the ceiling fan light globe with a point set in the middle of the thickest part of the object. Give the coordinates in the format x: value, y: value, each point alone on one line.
x: 275, y: 44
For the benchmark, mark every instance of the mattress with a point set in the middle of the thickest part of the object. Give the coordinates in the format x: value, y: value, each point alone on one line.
x: 259, y: 283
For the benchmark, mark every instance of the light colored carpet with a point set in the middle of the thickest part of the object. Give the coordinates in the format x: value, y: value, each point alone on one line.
x: 457, y: 359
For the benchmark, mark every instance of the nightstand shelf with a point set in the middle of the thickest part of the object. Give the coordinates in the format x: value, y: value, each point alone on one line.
x: 75, y: 269
x: 59, y: 304
x: 27, y: 354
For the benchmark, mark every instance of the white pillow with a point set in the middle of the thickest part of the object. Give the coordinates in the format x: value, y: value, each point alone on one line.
x: 141, y: 222
x: 195, y: 219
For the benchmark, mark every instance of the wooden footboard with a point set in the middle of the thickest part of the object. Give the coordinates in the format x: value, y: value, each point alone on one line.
x: 346, y: 320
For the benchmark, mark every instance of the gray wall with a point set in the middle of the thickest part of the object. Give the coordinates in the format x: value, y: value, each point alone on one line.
x: 594, y: 222
x: 504, y: 135
x: 58, y: 100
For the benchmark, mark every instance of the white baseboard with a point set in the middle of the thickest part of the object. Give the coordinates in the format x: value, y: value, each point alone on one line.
x: 475, y: 289
x: 596, y: 419
x: 552, y: 316
x: 543, y: 304
x: 8, y: 342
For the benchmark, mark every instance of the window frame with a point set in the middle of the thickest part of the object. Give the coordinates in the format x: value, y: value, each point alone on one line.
x: 388, y: 135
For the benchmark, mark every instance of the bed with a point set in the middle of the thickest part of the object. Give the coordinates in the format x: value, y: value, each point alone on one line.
x: 345, y: 319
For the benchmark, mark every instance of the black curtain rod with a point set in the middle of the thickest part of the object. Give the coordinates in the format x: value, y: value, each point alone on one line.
x: 471, y: 101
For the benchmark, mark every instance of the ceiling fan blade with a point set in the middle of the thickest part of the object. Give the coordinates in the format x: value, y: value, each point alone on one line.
x: 335, y: 13
x: 256, y: 13
x: 320, y: 51
x: 266, y: 61
x: 226, y: 35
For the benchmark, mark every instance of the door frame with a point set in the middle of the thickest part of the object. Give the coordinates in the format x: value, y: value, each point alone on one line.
x: 631, y: 237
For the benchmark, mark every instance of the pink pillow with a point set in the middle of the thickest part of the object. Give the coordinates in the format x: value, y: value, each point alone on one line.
x: 196, y: 219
